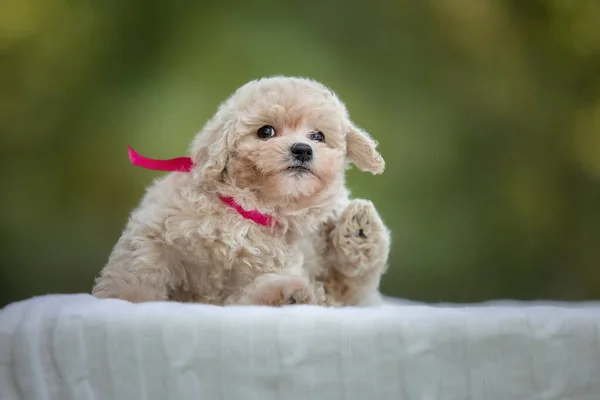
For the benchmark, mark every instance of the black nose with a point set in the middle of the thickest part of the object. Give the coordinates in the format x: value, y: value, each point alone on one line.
x: 302, y: 152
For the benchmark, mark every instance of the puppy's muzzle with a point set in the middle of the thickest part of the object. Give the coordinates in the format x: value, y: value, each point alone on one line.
x: 301, y: 152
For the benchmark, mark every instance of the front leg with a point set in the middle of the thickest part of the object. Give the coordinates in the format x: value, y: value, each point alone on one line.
x: 138, y: 270
x: 358, y: 254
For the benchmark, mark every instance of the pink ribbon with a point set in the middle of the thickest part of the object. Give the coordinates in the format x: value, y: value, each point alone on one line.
x: 185, y: 164
x: 179, y: 164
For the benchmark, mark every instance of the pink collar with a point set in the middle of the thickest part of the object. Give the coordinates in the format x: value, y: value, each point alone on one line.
x: 252, y: 215
x: 185, y: 164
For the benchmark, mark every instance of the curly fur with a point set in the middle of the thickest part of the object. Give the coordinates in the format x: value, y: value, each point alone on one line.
x: 183, y: 244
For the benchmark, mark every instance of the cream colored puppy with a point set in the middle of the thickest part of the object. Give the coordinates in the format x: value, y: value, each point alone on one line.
x: 262, y: 216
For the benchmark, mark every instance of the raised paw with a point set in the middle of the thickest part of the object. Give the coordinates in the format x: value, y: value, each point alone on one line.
x: 361, y: 219
x: 359, y: 223
x: 360, y: 239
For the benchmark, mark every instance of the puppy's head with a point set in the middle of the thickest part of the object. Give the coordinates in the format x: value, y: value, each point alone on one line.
x: 283, y: 138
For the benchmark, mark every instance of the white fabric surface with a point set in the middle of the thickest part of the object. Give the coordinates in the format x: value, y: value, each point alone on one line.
x: 77, y: 347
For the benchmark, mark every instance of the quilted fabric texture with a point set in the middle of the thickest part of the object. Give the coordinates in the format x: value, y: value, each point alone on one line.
x: 77, y: 347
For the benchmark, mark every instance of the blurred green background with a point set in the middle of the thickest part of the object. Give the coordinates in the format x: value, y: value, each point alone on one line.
x: 487, y: 112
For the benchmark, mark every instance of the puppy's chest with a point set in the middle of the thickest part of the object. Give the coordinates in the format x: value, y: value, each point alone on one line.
x: 235, y: 246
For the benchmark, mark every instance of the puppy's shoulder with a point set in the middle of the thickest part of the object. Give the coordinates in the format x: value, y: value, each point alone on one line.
x: 172, y: 195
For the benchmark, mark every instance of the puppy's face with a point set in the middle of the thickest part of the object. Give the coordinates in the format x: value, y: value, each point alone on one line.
x: 289, y: 144
x: 283, y: 138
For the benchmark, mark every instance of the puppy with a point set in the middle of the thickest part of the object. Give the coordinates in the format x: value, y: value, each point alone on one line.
x: 262, y: 216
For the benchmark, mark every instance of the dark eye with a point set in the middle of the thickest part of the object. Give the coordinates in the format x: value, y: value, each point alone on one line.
x: 317, y: 137
x: 266, y: 132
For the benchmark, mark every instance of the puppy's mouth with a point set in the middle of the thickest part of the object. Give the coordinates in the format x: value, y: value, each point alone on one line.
x: 298, y: 170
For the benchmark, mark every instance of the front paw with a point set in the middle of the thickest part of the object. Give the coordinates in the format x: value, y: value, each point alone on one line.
x: 278, y: 290
x: 296, y: 291
x: 319, y: 291
x: 360, y: 239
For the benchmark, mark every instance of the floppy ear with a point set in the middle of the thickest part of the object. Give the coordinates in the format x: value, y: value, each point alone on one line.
x: 210, y: 149
x: 361, y: 150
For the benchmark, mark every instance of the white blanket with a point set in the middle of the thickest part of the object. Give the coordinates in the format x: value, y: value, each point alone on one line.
x: 77, y: 347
